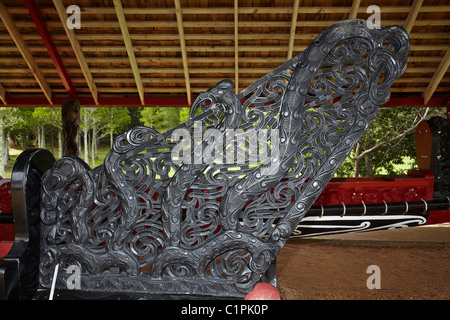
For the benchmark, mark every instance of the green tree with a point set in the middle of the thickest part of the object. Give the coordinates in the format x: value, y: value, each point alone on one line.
x: 7, y: 123
x: 387, y: 142
x: 97, y: 123
x: 48, y: 122
x: 24, y: 126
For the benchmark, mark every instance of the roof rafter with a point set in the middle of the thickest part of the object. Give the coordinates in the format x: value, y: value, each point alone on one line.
x: 183, y: 49
x: 293, y: 29
x: 24, y: 51
x: 3, y: 95
x: 412, y: 15
x: 236, y: 46
x: 437, y: 77
x: 76, y: 49
x: 243, y: 10
x: 48, y: 41
x: 129, y: 46
x: 354, y: 10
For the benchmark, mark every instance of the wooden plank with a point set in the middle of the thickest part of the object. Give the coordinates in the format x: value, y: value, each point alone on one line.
x: 412, y: 15
x: 24, y: 51
x: 423, y: 143
x: 205, y: 48
x: 50, y: 45
x: 183, y: 48
x: 293, y: 29
x: 3, y: 94
x: 215, y: 36
x: 438, y: 75
x: 123, y: 60
x: 229, y: 24
x: 242, y: 36
x: 130, y: 50
x: 243, y: 10
x: 76, y: 48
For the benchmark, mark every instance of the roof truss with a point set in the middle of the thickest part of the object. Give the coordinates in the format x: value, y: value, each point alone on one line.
x: 182, y: 49
x: 50, y: 45
x: 25, y: 52
x: 76, y: 49
x: 129, y: 47
x: 437, y: 77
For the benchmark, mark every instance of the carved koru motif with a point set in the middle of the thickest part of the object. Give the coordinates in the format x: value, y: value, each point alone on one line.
x: 143, y: 222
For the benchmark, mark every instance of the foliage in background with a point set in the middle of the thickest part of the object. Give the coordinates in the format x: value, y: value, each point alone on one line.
x: 163, y: 119
x: 387, y: 144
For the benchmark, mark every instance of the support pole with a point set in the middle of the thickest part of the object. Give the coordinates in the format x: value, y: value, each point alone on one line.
x: 70, y: 124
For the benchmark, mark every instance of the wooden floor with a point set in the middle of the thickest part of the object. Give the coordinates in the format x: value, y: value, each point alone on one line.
x: 413, y: 264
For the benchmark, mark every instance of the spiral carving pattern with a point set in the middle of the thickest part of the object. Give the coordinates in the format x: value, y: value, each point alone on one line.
x: 215, y: 227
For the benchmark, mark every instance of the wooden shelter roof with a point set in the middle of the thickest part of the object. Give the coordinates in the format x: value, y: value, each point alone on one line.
x: 165, y: 52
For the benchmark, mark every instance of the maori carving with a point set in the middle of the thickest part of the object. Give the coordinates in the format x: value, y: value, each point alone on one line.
x: 146, y: 222
x: 328, y: 225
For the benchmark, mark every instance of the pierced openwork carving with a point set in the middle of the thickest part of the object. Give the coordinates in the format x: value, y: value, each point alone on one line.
x: 146, y: 221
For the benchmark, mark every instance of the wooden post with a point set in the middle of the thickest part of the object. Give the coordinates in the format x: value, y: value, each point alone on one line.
x: 70, y: 124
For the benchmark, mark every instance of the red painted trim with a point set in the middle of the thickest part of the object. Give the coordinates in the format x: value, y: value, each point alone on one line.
x: 6, y: 232
x: 5, y: 247
x: 171, y: 101
x: 417, y: 185
x: 52, y: 50
x: 417, y: 101
x: 438, y: 216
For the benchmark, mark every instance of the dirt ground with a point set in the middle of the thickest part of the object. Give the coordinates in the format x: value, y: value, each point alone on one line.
x: 315, y: 270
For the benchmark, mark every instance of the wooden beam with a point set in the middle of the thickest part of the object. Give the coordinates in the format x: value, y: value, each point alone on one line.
x: 120, y: 73
x: 3, y: 94
x: 228, y: 24
x: 293, y: 28
x: 129, y: 47
x: 438, y: 75
x: 412, y: 15
x: 203, y: 36
x: 183, y: 48
x: 354, y: 10
x: 205, y: 48
x: 236, y: 46
x: 76, y: 48
x: 169, y: 100
x: 244, y: 10
x: 24, y: 51
x: 50, y: 45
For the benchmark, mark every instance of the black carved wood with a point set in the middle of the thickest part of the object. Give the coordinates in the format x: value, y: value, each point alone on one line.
x: 143, y: 223
x: 19, y: 270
